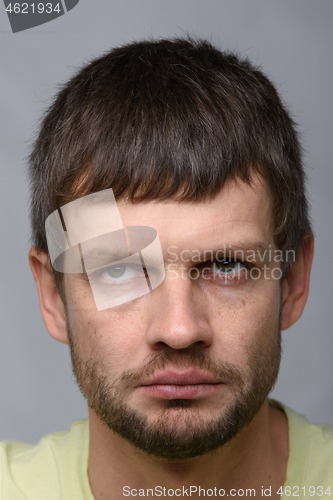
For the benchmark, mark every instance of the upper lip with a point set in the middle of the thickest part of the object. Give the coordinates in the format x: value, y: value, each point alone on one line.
x: 186, y: 377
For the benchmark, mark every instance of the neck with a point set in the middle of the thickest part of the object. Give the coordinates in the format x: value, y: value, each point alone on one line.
x: 255, y: 459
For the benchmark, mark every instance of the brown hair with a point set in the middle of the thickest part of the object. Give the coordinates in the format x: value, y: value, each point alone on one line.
x: 168, y: 119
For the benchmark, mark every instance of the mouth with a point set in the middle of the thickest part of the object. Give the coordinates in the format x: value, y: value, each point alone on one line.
x: 189, y: 384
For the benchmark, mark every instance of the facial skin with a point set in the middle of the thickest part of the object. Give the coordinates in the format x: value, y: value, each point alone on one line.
x: 181, y: 370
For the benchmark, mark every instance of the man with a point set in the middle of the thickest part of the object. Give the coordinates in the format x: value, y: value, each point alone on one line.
x: 172, y: 244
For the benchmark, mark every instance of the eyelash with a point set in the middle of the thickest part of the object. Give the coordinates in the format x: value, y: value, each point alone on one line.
x: 205, y: 271
x: 208, y: 267
x: 98, y: 275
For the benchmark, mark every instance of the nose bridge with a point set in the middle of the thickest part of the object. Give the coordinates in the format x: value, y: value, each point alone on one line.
x: 179, y: 317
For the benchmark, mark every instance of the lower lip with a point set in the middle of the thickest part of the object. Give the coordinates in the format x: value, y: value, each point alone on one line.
x: 174, y: 391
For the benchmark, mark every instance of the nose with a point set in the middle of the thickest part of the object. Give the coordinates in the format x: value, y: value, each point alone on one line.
x: 179, y: 316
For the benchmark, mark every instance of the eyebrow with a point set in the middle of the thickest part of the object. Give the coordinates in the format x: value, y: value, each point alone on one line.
x: 101, y: 257
x: 259, y: 251
x: 250, y: 246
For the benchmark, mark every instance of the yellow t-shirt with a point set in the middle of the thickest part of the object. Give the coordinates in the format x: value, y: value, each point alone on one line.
x: 310, y: 463
x: 56, y: 468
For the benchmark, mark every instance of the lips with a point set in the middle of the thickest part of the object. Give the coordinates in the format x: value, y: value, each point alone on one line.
x: 189, y: 384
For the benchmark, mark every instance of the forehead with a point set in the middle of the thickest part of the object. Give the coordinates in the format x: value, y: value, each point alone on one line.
x: 239, y: 211
x: 239, y: 215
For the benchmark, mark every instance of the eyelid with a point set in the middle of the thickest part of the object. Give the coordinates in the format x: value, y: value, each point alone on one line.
x: 99, y: 272
x: 128, y: 268
x: 231, y: 264
x: 226, y: 259
x: 207, y: 269
x: 136, y: 268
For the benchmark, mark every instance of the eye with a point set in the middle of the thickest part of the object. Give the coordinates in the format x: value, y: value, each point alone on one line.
x: 116, y: 271
x: 226, y: 271
x: 228, y: 266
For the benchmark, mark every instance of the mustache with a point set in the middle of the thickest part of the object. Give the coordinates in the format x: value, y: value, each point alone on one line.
x: 223, y: 371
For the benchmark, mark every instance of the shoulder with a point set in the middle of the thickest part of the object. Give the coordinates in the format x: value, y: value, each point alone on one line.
x: 38, y: 471
x: 317, y: 438
x: 310, y: 452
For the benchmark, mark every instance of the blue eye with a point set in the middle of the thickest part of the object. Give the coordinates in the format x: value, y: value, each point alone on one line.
x: 228, y: 266
x: 116, y: 271
x: 119, y: 273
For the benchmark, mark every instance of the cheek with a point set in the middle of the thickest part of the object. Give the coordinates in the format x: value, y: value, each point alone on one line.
x: 112, y: 335
x: 244, y: 320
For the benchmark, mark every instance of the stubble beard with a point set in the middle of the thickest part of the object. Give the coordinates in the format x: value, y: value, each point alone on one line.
x: 179, y: 432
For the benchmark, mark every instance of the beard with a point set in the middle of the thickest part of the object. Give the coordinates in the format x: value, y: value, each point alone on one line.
x: 179, y: 431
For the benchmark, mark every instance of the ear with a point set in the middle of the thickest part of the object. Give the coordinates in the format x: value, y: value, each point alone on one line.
x: 295, y: 288
x: 50, y: 302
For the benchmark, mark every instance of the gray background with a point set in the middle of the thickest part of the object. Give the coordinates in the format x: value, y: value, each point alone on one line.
x: 292, y: 40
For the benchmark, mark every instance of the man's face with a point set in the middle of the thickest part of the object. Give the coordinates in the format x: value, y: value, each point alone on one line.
x: 180, y: 371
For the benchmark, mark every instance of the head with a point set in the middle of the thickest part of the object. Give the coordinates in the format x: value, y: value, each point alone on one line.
x: 196, y: 144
